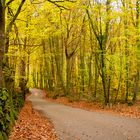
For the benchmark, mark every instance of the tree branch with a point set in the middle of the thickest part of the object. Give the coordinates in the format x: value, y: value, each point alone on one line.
x: 15, y: 17
x: 55, y: 2
x: 9, y: 2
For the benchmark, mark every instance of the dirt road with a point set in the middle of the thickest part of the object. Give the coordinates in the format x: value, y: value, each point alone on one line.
x: 77, y: 124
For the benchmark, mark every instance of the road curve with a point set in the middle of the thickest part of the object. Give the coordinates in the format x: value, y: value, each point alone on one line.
x: 77, y: 124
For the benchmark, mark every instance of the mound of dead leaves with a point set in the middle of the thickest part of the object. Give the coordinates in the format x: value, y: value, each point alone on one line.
x: 31, y: 125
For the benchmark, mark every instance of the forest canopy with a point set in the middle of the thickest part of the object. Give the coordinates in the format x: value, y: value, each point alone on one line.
x: 82, y: 49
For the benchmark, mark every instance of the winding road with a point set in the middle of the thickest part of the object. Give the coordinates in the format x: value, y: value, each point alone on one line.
x: 77, y: 124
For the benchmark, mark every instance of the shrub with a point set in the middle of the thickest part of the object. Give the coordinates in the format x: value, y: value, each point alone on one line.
x: 10, y: 104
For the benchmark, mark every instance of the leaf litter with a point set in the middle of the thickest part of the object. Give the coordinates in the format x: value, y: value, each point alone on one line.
x: 32, y: 125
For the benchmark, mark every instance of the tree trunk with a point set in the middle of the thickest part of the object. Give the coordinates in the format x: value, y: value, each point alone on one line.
x: 120, y: 79
x: 104, y: 77
x: 59, y: 66
x: 126, y: 53
x: 2, y: 39
x: 23, y: 80
x: 28, y: 66
x: 137, y: 76
x: 82, y: 65
x: 68, y: 75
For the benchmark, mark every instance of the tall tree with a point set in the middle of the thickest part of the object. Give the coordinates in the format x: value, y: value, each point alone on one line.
x: 11, y: 18
x: 137, y: 26
x: 2, y: 39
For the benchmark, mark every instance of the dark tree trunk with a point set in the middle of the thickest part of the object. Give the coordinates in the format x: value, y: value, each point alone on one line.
x: 68, y: 75
x: 2, y: 38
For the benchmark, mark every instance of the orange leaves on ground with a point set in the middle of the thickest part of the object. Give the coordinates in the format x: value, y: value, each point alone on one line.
x: 31, y: 125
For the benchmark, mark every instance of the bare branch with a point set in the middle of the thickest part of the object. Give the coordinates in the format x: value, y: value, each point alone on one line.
x: 55, y: 2
x: 9, y: 2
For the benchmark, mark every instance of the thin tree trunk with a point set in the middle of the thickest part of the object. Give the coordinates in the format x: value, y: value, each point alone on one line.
x: 82, y: 65
x: 28, y: 66
x: 126, y: 54
x: 120, y: 79
x: 68, y: 75
x: 136, y: 86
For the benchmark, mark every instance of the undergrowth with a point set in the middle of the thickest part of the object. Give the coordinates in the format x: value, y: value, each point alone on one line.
x: 10, y: 105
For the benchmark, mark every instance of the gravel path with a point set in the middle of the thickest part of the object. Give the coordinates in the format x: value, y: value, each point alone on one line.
x: 77, y: 124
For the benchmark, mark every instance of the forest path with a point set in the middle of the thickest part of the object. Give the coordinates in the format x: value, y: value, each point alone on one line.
x: 77, y: 124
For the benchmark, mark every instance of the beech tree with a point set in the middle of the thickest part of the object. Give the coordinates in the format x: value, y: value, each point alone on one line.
x: 2, y: 39
x: 81, y: 49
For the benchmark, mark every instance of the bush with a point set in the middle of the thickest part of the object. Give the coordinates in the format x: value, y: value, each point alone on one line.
x: 10, y: 104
